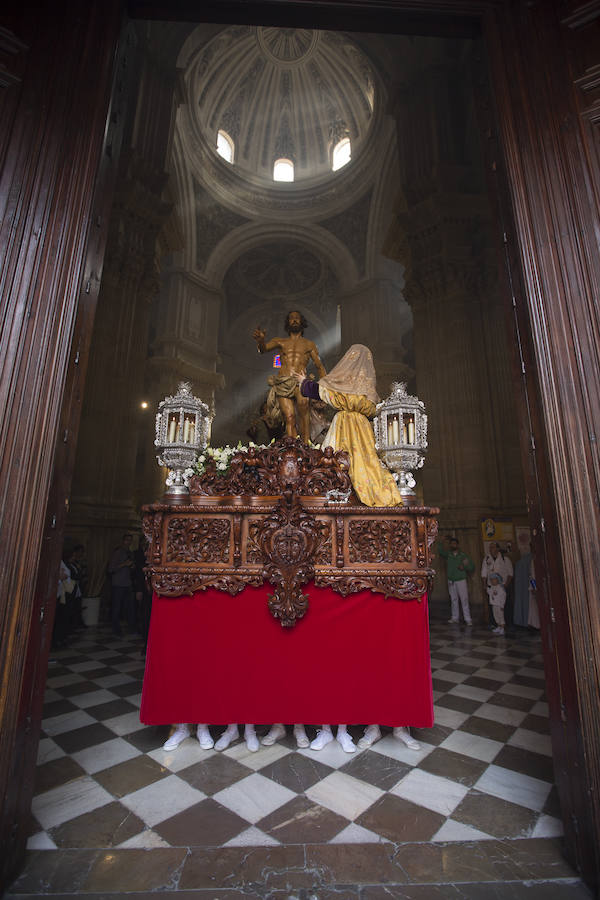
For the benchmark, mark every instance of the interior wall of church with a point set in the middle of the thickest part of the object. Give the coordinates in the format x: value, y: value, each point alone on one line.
x: 444, y: 234
x: 103, y: 501
x: 423, y: 297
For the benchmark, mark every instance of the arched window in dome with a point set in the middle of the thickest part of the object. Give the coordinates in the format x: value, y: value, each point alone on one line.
x: 283, y: 170
x: 342, y: 154
x: 225, y: 146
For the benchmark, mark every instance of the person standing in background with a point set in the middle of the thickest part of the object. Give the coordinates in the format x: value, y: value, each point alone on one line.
x: 120, y: 569
x: 458, y: 566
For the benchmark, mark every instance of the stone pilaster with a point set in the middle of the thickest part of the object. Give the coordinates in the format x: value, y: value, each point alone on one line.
x: 103, y: 498
x: 376, y: 314
x: 442, y: 234
x: 183, y: 348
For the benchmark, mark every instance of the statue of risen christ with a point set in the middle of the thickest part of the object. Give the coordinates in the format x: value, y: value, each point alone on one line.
x: 296, y: 351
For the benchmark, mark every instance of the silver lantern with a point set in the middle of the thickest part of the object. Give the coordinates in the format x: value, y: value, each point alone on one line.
x: 182, y: 431
x: 401, y: 437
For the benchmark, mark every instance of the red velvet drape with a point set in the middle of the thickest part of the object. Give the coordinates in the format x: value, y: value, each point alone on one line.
x: 218, y: 659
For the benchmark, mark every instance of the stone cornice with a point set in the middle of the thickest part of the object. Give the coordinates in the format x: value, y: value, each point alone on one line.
x: 162, y: 366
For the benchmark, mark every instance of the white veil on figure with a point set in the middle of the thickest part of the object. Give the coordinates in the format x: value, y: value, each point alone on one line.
x: 353, y: 374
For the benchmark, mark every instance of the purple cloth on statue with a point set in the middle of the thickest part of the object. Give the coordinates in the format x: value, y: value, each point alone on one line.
x: 310, y: 389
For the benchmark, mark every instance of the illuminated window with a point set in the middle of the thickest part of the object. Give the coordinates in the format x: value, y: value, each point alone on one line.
x: 341, y: 154
x: 225, y: 146
x: 283, y: 170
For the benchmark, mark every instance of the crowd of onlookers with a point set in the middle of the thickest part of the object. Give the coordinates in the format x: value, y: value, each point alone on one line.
x: 125, y: 593
x: 72, y: 585
x: 510, y: 590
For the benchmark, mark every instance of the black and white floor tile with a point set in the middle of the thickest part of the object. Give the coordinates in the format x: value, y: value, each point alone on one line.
x: 484, y: 771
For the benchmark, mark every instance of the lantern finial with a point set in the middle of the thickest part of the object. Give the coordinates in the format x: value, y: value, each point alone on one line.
x: 401, y: 436
x: 182, y: 430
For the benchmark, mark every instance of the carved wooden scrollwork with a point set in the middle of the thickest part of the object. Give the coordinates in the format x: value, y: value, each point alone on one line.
x: 262, y: 471
x: 347, y: 547
x: 421, y: 542
x: 198, y: 540
x: 289, y: 540
x: 177, y: 584
x: 432, y: 532
x: 322, y: 558
x: 148, y: 531
x: 253, y: 554
x: 379, y: 541
x: 152, y: 528
x: 325, y: 550
x: 403, y: 587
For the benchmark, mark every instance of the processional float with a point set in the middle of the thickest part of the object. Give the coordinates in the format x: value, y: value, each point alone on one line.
x: 276, y: 534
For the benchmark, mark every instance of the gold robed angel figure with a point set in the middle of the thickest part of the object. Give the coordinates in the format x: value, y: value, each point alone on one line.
x: 284, y: 395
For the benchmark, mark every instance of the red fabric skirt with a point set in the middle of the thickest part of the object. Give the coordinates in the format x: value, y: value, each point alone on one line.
x: 218, y: 659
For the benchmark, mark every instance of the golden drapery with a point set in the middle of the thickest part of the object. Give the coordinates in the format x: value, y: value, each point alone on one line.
x: 352, y: 431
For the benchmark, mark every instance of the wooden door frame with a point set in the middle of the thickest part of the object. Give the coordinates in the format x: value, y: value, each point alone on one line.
x: 62, y: 120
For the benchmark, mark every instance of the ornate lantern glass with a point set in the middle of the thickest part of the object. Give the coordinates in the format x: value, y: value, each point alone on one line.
x: 401, y: 436
x: 182, y: 430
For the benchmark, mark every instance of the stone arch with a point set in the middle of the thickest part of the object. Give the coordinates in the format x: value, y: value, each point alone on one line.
x: 313, y: 237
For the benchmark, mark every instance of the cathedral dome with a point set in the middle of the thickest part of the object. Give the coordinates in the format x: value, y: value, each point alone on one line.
x: 282, y: 94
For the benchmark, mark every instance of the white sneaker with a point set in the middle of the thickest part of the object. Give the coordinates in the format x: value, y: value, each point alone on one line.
x: 372, y: 734
x: 302, y: 741
x: 179, y: 735
x: 251, y: 739
x: 403, y: 734
x: 498, y: 630
x: 204, y: 737
x: 345, y: 742
x: 322, y: 739
x: 275, y: 734
x: 452, y: 621
x: 230, y: 734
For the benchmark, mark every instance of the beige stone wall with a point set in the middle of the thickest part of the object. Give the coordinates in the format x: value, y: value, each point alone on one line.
x: 444, y: 235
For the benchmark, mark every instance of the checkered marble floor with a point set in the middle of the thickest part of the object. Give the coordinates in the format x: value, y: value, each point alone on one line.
x: 484, y: 771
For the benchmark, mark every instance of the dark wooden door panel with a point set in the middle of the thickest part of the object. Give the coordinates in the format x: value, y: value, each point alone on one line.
x: 55, y: 190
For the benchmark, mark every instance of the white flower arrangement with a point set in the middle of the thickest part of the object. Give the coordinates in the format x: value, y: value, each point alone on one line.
x: 222, y: 456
